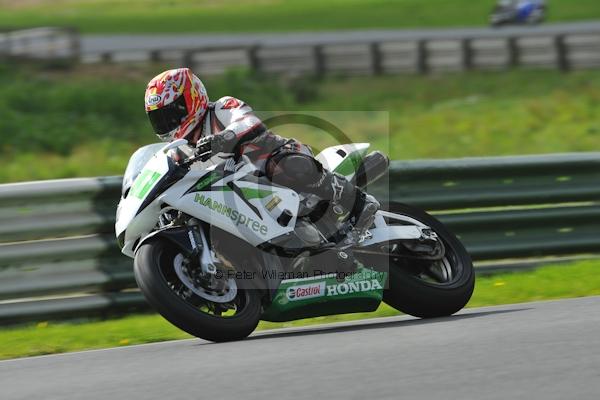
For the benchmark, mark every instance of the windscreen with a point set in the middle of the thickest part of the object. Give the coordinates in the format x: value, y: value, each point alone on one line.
x: 136, y: 164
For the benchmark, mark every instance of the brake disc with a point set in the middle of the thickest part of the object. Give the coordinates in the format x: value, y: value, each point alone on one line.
x: 223, y: 294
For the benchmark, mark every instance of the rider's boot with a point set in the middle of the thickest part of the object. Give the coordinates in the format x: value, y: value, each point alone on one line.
x: 363, y: 218
x: 361, y: 205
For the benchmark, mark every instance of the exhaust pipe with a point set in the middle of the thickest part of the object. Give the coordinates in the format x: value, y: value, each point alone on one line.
x: 374, y: 165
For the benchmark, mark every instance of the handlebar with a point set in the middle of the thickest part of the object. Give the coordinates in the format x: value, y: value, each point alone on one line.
x: 207, y: 146
x: 202, y: 156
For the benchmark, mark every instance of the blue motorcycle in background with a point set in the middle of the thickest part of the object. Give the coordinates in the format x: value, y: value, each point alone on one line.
x: 526, y: 12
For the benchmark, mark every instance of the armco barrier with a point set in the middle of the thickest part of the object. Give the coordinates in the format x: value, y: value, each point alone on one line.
x: 58, y: 256
x: 423, y: 52
x: 40, y: 44
x: 387, y: 52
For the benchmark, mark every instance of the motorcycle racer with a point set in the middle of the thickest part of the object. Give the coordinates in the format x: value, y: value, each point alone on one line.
x: 518, y: 11
x: 178, y: 107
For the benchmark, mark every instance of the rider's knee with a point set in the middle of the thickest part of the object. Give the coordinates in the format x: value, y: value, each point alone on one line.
x: 294, y: 169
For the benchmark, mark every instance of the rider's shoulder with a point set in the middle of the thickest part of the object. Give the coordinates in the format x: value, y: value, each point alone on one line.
x: 229, y: 103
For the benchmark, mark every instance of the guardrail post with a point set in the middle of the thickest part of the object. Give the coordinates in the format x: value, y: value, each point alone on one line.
x: 467, y: 53
x: 155, y: 56
x: 319, y: 58
x: 187, y: 59
x: 75, y: 44
x: 513, y: 52
x: 8, y: 44
x: 562, y: 53
x: 25, y: 46
x: 253, y: 59
x: 51, y: 40
x: 422, y: 66
x: 106, y: 57
x: 376, y: 59
x: 4, y: 46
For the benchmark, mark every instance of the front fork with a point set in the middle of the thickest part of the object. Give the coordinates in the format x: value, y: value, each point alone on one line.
x: 206, y: 256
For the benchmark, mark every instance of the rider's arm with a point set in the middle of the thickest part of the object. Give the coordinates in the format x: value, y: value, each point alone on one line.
x: 233, y: 115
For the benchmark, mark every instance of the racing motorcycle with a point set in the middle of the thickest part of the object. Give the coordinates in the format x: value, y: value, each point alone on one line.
x: 218, y: 247
x: 518, y: 12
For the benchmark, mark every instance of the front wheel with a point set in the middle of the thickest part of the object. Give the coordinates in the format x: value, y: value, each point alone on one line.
x: 425, y: 288
x: 180, y: 298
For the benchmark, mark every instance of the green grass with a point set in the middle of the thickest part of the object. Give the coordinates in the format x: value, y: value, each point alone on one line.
x: 551, y: 282
x: 154, y: 16
x: 88, y: 121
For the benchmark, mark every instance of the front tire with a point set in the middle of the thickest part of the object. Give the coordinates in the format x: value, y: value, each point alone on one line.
x: 425, y: 298
x: 152, y: 268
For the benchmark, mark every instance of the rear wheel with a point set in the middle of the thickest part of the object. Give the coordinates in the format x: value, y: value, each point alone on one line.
x: 426, y: 288
x: 171, y: 289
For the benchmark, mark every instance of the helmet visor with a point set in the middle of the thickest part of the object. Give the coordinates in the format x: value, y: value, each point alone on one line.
x: 169, y: 117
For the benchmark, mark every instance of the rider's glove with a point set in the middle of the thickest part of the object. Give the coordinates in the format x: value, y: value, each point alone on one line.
x: 223, y: 142
x: 204, y: 145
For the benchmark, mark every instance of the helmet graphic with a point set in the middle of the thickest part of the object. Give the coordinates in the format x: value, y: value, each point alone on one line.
x: 176, y: 102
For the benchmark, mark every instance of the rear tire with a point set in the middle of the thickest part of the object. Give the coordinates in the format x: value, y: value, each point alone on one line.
x: 153, y: 284
x: 412, y: 295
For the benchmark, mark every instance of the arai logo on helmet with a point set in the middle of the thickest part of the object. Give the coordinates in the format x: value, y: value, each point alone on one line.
x: 153, y: 99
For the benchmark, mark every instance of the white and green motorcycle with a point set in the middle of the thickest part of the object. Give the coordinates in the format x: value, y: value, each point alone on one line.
x: 218, y: 247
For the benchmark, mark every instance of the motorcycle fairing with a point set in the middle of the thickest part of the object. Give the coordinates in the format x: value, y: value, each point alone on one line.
x: 343, y: 159
x: 246, y: 209
x: 320, y: 295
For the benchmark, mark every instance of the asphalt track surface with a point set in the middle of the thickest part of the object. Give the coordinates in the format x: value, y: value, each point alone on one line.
x: 101, y: 43
x: 545, y: 350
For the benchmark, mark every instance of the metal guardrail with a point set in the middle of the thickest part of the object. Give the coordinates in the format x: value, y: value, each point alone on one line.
x: 40, y: 44
x: 428, y: 51
x: 432, y: 51
x: 58, y: 255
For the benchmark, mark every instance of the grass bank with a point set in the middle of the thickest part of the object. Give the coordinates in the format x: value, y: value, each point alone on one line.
x: 155, y: 16
x: 88, y: 121
x: 551, y: 282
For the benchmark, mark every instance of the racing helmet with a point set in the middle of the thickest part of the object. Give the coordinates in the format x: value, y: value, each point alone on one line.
x: 176, y: 102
